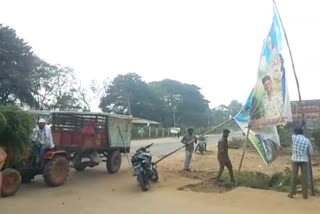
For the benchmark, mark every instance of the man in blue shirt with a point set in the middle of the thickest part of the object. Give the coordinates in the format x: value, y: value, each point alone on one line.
x: 301, y: 150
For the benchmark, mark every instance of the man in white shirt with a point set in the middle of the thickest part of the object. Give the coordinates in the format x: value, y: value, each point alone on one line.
x: 272, y: 101
x: 42, y: 134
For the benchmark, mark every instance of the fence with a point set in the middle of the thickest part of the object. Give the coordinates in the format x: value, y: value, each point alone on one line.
x: 158, y: 132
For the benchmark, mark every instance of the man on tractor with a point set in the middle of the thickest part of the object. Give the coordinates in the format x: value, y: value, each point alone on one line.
x: 42, y: 136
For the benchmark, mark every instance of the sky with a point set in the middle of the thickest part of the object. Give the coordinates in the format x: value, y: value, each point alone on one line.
x: 213, y: 44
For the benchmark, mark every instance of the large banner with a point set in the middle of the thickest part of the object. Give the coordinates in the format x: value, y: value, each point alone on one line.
x: 270, y: 101
x: 264, y: 139
x: 268, y: 104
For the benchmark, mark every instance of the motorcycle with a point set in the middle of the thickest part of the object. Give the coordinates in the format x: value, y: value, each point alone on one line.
x: 202, y: 145
x: 143, y: 167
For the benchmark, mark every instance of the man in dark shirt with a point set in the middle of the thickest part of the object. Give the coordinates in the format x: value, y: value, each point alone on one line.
x: 189, y: 140
x: 223, y: 156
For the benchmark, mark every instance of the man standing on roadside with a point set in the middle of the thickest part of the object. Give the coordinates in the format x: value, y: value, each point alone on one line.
x: 189, y: 140
x: 301, y: 150
x: 223, y: 156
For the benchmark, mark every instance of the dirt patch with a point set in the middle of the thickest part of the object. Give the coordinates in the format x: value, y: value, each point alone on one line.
x: 255, y: 173
x: 206, y: 186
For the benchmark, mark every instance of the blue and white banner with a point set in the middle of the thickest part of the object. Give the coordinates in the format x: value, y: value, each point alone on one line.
x: 270, y: 101
x: 268, y: 104
x: 264, y: 139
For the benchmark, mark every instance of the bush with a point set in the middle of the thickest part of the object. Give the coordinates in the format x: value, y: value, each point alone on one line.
x: 285, y: 135
x: 256, y: 180
x: 3, y: 122
x: 316, y: 135
x: 237, y: 142
x: 278, y: 181
x: 16, y: 135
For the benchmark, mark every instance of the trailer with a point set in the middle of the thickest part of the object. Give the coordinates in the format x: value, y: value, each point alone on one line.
x: 92, y: 138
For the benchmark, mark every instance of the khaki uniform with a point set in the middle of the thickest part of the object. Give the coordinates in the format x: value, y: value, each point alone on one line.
x: 223, y: 158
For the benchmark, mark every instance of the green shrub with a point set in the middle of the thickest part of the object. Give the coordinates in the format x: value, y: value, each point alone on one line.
x: 278, y: 181
x: 16, y: 135
x: 316, y: 136
x: 285, y: 135
x: 3, y: 122
x: 256, y: 180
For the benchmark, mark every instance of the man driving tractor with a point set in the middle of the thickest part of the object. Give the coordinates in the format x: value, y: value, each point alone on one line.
x: 42, y: 135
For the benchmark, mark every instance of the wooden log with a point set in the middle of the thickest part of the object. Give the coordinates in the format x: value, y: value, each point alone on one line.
x: 11, y: 181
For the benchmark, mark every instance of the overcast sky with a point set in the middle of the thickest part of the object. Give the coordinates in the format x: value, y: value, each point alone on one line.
x: 213, y: 44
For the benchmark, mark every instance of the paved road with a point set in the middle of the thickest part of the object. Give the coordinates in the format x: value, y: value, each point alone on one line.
x: 163, y: 146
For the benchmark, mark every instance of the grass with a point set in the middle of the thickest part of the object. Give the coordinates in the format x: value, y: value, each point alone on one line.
x: 257, y: 180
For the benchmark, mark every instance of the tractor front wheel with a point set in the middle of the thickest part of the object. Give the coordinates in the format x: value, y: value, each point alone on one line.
x: 56, y: 171
x: 114, y: 162
x: 11, y: 181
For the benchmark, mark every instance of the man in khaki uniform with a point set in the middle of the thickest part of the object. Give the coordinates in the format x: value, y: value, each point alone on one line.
x: 223, y: 156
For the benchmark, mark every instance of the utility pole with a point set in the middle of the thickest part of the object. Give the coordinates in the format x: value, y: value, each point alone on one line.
x: 129, y: 104
x: 174, y: 116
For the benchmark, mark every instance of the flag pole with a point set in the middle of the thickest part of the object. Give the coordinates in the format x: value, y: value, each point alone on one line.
x: 299, y: 93
x: 244, y: 151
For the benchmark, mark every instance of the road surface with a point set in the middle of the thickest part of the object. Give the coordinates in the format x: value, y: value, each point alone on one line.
x: 163, y: 146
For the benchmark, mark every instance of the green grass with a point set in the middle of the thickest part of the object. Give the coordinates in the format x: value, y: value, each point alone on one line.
x: 257, y: 180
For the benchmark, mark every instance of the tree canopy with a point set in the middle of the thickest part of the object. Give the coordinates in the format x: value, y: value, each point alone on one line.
x: 55, y: 87
x: 16, y: 65
x: 128, y: 94
x: 183, y: 103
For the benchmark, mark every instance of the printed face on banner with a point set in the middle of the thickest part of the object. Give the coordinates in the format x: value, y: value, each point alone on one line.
x: 268, y: 104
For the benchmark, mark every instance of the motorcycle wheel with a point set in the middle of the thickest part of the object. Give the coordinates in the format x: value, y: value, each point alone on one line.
x: 155, y: 176
x: 143, y: 181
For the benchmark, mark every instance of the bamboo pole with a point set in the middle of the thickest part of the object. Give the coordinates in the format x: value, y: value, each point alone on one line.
x: 192, y: 141
x: 299, y: 93
x: 244, y: 150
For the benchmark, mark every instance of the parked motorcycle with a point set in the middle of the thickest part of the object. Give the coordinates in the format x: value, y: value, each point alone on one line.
x: 202, y: 145
x: 143, y: 167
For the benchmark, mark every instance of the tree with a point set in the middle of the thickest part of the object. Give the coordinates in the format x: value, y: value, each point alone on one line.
x: 55, y: 87
x: 220, y: 114
x: 182, y: 103
x: 128, y: 94
x: 95, y: 91
x: 16, y: 65
x: 234, y: 107
x: 223, y: 113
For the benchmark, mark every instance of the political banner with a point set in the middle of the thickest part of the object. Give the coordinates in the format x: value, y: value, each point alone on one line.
x: 268, y: 104
x: 264, y: 139
x: 270, y: 101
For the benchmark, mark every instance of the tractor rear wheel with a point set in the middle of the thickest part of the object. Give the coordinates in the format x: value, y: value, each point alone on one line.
x: 114, y: 162
x: 56, y: 171
x: 11, y: 181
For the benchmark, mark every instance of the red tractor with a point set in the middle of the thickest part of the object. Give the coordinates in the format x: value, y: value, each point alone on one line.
x: 54, y: 167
